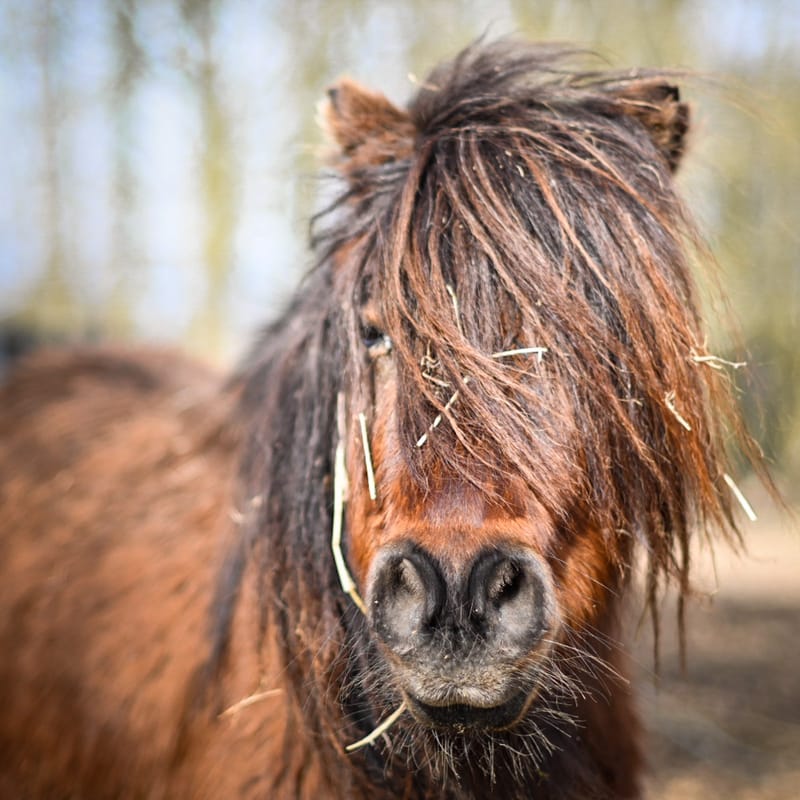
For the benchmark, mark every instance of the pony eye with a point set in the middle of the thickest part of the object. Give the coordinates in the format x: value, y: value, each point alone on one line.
x: 375, y: 340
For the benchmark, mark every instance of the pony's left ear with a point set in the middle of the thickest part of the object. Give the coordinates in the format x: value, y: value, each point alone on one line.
x: 657, y: 105
x: 365, y: 127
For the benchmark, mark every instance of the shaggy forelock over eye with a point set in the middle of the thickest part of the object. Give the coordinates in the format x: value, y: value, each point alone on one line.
x: 537, y: 210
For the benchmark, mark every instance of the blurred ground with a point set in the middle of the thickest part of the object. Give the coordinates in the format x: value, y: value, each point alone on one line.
x: 729, y: 727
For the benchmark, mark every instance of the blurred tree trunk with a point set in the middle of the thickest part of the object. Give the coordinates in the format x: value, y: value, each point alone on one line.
x: 52, y: 304
x: 217, y: 175
x: 126, y: 256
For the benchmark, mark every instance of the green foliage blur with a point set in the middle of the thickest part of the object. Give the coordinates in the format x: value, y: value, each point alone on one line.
x: 159, y: 154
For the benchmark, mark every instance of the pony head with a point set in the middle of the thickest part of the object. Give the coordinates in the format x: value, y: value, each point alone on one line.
x: 501, y: 340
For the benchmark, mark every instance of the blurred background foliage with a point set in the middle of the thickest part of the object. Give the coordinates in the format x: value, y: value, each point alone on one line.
x: 158, y: 156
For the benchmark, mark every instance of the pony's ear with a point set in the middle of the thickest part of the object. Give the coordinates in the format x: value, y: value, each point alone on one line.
x: 657, y: 105
x: 365, y: 127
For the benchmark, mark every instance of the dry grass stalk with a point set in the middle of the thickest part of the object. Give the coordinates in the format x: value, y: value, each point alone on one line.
x: 737, y: 493
x: 340, y: 486
x: 521, y: 351
x: 379, y: 731
x: 669, y: 400
x: 362, y: 421
x: 429, y: 365
x: 715, y: 362
x: 453, y: 297
x: 428, y: 362
x: 422, y: 84
x: 435, y: 380
x: 438, y: 420
x: 250, y: 700
x: 238, y: 517
x: 339, y: 494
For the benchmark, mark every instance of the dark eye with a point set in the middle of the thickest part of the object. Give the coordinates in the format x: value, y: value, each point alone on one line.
x: 375, y: 340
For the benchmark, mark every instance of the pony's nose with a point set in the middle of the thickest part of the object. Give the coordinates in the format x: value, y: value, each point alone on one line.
x: 500, y: 601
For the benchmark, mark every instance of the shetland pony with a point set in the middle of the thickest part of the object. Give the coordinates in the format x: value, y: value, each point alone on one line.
x: 388, y: 558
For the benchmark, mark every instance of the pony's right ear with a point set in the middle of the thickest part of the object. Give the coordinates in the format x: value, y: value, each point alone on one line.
x: 657, y: 105
x: 365, y: 127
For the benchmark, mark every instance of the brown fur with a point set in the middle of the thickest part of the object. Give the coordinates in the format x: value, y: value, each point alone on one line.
x: 166, y: 544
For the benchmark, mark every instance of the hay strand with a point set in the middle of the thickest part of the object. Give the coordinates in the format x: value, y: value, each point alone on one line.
x: 669, y: 400
x: 715, y: 362
x: 742, y: 500
x: 250, y: 700
x: 452, y: 292
x: 362, y: 421
x: 339, y: 495
x: 379, y: 731
x: 521, y: 351
x: 438, y: 419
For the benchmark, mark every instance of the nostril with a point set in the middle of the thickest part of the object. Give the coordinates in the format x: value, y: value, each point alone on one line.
x: 510, y: 599
x: 405, y: 578
x: 505, y: 582
x: 495, y: 580
x: 405, y: 595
